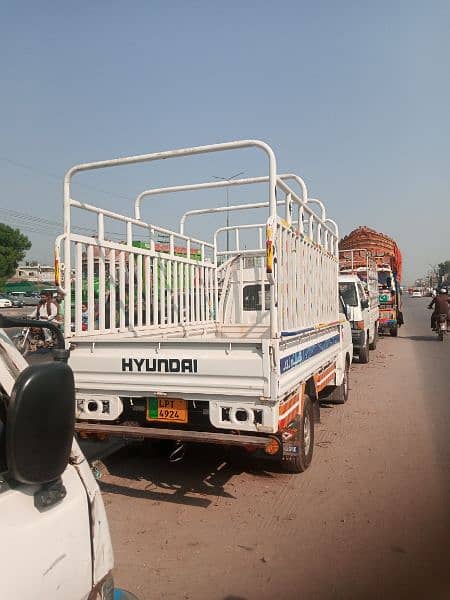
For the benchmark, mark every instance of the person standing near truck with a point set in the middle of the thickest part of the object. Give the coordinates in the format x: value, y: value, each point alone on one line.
x: 46, y: 310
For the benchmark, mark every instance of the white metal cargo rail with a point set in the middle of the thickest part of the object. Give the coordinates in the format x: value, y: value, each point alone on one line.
x: 357, y: 260
x: 140, y: 285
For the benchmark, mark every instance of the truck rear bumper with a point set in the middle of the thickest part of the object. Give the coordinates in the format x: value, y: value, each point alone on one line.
x: 206, y: 437
x: 384, y: 324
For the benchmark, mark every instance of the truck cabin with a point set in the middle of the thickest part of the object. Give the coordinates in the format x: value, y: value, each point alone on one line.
x: 247, y: 299
x: 352, y: 292
x: 386, y: 279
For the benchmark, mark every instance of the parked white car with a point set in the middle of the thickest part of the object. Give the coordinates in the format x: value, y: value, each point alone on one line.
x: 5, y: 303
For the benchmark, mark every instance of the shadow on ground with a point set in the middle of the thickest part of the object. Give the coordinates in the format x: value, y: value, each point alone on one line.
x: 420, y: 338
x: 197, y: 480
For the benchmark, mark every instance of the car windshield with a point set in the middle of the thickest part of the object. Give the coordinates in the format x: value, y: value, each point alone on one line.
x: 348, y: 292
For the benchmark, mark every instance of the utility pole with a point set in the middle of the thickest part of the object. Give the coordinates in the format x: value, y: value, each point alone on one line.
x: 235, y: 176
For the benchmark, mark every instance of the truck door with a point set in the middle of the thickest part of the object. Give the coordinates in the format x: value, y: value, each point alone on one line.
x: 365, y: 312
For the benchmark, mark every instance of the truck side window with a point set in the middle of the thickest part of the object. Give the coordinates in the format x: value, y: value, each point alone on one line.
x: 253, y: 297
x: 348, y: 293
x: 362, y: 292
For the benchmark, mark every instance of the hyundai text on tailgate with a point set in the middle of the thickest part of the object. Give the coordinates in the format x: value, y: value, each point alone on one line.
x: 229, y: 340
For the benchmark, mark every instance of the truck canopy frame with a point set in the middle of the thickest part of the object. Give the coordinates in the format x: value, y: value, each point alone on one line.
x: 136, y: 286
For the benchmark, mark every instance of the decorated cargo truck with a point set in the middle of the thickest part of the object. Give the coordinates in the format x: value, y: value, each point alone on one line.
x: 388, y: 257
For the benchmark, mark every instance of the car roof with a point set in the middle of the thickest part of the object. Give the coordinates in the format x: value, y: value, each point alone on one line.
x: 347, y: 278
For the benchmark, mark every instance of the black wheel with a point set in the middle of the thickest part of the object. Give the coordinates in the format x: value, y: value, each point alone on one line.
x: 304, y: 436
x: 441, y: 336
x: 340, y: 393
x: 363, y: 353
x: 394, y: 331
x: 373, y: 345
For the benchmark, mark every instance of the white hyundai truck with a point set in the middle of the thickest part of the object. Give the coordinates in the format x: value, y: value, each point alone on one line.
x: 175, y: 337
x: 55, y: 540
x: 358, y: 287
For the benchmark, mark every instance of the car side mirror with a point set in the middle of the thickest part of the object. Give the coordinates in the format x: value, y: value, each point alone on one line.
x: 364, y: 304
x: 40, y: 423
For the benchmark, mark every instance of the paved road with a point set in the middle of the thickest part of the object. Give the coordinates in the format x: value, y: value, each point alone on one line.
x: 370, y: 519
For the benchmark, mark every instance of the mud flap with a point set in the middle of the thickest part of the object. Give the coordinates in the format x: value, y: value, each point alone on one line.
x: 316, y: 411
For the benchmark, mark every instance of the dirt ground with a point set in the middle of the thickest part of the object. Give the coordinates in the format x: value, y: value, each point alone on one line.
x: 369, y: 519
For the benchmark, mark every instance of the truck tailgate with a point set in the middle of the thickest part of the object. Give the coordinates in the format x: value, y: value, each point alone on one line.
x: 193, y: 367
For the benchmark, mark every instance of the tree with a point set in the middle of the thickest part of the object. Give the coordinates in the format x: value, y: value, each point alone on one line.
x: 444, y: 268
x: 13, y: 246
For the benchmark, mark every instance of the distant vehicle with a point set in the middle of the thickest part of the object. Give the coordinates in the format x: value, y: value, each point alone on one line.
x: 416, y: 294
x: 358, y: 286
x: 5, y: 302
x: 52, y: 291
x: 441, y: 327
x: 15, y: 302
x: 389, y: 268
x: 31, y: 298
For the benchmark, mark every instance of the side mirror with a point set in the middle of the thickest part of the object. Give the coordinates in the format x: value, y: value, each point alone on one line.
x: 40, y: 423
x: 364, y: 304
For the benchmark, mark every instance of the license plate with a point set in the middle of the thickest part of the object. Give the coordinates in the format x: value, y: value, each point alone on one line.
x: 169, y: 410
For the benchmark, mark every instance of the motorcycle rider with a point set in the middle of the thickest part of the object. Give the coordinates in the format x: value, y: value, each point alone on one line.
x: 46, y: 310
x: 441, y: 304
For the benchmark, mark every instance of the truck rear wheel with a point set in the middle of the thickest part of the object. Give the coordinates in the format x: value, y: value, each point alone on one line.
x: 304, y: 437
x: 363, y: 353
x: 340, y: 393
x: 373, y: 345
x: 393, y: 331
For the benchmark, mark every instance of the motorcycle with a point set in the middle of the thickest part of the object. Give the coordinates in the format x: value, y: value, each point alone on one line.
x: 441, y: 327
x: 31, y: 339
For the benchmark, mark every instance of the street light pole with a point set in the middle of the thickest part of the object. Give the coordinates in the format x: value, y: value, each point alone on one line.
x: 228, y: 202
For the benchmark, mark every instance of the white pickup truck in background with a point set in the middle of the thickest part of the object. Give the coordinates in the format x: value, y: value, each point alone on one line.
x: 358, y: 287
x: 189, y: 340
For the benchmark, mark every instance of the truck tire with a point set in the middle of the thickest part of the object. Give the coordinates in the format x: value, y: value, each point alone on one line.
x: 393, y: 331
x: 305, y: 439
x: 363, y: 353
x: 340, y: 393
x: 373, y: 345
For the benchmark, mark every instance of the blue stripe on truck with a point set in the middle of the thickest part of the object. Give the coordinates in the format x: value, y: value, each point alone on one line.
x: 292, y: 360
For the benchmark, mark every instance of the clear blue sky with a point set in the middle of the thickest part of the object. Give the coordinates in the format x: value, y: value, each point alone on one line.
x: 353, y: 95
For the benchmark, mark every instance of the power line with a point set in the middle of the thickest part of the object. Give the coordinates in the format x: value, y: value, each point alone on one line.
x: 41, y: 225
x: 58, y: 178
